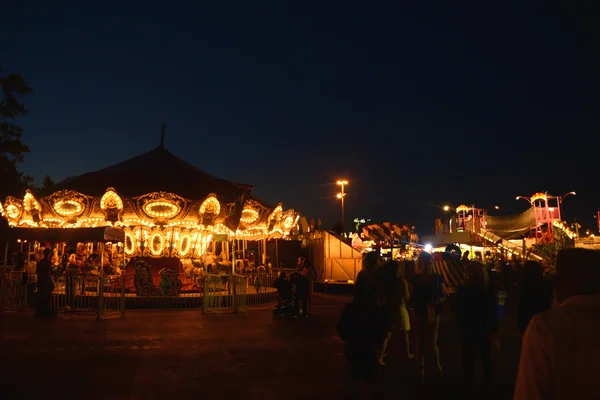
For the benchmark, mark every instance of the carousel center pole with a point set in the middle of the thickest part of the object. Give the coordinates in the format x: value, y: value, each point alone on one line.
x: 101, y: 282
x: 233, y: 248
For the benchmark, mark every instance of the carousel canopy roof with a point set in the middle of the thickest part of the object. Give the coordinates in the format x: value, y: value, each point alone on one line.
x: 100, y: 234
x: 156, y: 170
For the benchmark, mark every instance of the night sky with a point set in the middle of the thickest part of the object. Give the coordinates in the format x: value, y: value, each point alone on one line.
x: 417, y: 106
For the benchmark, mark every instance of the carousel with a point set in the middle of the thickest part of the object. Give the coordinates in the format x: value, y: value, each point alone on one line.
x: 155, y: 210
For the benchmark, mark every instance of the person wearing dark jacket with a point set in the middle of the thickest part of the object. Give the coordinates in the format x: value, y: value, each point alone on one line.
x: 283, y: 286
x: 369, y: 319
x: 45, y: 286
x: 477, y: 319
x: 535, y: 294
x: 301, y: 284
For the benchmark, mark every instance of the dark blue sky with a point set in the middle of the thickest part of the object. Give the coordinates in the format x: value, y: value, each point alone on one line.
x: 426, y: 103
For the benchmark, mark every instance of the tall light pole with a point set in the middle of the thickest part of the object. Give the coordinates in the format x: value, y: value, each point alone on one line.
x: 341, y: 195
x: 567, y: 194
x: 560, y: 201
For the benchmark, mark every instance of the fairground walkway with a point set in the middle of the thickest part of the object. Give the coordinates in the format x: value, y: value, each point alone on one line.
x: 187, y: 355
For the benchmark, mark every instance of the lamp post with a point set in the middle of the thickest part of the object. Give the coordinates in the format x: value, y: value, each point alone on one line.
x: 341, y: 195
x: 566, y: 194
x: 560, y: 201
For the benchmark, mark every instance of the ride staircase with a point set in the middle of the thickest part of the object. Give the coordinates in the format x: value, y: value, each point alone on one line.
x: 507, y: 244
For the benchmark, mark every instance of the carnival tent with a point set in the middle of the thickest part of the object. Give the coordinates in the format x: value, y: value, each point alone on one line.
x: 156, y: 170
x: 334, y: 258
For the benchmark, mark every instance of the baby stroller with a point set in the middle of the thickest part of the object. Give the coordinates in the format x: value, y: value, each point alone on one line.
x: 284, y: 309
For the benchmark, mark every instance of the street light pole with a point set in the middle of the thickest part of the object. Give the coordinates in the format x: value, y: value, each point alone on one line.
x: 560, y: 201
x: 341, y: 196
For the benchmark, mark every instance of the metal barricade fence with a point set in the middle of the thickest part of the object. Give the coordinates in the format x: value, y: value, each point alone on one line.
x: 71, y: 293
x: 168, y: 290
x: 240, y: 295
x: 111, y: 297
x: 13, y: 290
x: 76, y: 293
x: 260, y: 288
x: 217, y: 296
x: 84, y: 293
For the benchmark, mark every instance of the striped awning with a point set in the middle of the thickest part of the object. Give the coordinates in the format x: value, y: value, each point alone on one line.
x: 452, y: 272
x: 383, y: 232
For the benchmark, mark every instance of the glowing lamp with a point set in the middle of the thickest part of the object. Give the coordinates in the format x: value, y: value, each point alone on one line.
x: 157, y: 243
x: 68, y: 208
x: 161, y: 209
x: 30, y: 203
x: 111, y: 200
x: 129, y: 243
x: 249, y: 215
x: 210, y: 206
x: 185, y: 243
x: 288, y: 222
x: 12, y: 211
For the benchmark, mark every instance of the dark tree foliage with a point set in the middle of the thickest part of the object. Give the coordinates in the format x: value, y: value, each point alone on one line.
x: 48, y: 184
x: 12, y: 149
x: 338, y: 228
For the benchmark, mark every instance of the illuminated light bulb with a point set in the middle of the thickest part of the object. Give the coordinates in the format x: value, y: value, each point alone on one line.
x: 184, y: 244
x: 111, y: 200
x: 249, y: 215
x: 129, y: 243
x: 156, y: 248
x: 68, y: 208
x: 161, y: 209
x: 12, y: 211
x: 276, y: 214
x: 210, y: 206
x: 288, y: 222
x: 30, y: 203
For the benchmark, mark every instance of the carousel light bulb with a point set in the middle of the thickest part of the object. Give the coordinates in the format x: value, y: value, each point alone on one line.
x: 161, y: 209
x: 68, y: 208
x: 210, y: 206
x: 157, y: 247
x: 249, y: 215
x: 30, y: 203
x: 12, y: 211
x: 111, y: 200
